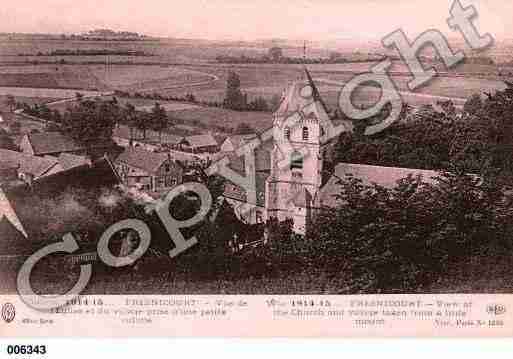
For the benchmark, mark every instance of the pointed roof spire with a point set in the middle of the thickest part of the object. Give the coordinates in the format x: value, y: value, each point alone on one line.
x: 315, y: 91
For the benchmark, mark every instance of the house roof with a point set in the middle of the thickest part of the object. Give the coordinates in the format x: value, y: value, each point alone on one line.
x: 46, y: 143
x: 183, y: 156
x: 201, y: 140
x: 383, y: 176
x: 52, y: 142
x: 145, y: 160
x: 34, y: 165
x: 68, y: 161
x: 164, y: 138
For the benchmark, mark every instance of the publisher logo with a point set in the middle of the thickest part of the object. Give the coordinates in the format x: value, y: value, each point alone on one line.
x: 496, y: 309
x: 8, y: 312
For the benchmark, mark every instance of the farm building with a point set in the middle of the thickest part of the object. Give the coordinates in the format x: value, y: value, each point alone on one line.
x: 148, y: 171
x: 149, y: 140
x: 29, y: 168
x: 55, y: 143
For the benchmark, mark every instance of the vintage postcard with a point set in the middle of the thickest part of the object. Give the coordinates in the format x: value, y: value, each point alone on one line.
x: 256, y: 168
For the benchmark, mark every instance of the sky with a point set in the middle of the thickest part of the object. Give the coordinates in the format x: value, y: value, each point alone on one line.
x: 249, y: 19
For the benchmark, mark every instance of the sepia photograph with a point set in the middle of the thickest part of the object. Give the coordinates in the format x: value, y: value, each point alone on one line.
x: 256, y: 148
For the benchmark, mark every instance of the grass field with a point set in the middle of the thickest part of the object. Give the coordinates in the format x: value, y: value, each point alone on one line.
x: 210, y: 116
x: 100, y: 77
x: 268, y: 81
x: 208, y: 81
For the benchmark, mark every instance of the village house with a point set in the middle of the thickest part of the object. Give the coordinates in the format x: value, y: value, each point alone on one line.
x: 148, y: 171
x: 26, y: 167
x: 55, y: 143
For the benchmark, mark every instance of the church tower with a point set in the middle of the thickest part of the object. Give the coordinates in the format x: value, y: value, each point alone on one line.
x: 296, y: 161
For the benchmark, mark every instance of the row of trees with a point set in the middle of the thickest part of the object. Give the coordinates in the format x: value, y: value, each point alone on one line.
x: 275, y: 56
x: 91, y: 120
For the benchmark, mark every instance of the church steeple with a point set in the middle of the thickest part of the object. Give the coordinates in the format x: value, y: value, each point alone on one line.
x: 315, y: 91
x: 296, y: 161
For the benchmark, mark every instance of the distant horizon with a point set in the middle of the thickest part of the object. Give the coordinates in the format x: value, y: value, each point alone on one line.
x: 228, y: 39
x: 241, y: 20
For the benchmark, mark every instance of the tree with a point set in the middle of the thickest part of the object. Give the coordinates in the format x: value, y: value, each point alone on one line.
x: 91, y: 121
x: 159, y: 119
x: 10, y: 102
x: 335, y: 56
x: 143, y: 121
x: 129, y: 116
x: 404, y: 238
x: 234, y: 98
x: 276, y: 53
x: 473, y: 105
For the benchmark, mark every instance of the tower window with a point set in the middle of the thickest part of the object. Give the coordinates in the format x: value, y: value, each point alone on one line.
x: 305, y: 133
x: 287, y: 133
x: 296, y: 160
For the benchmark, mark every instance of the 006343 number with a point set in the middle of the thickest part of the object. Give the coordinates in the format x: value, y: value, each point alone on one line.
x: 26, y: 349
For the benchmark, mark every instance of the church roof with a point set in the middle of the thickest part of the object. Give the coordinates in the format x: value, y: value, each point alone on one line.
x: 383, y: 176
